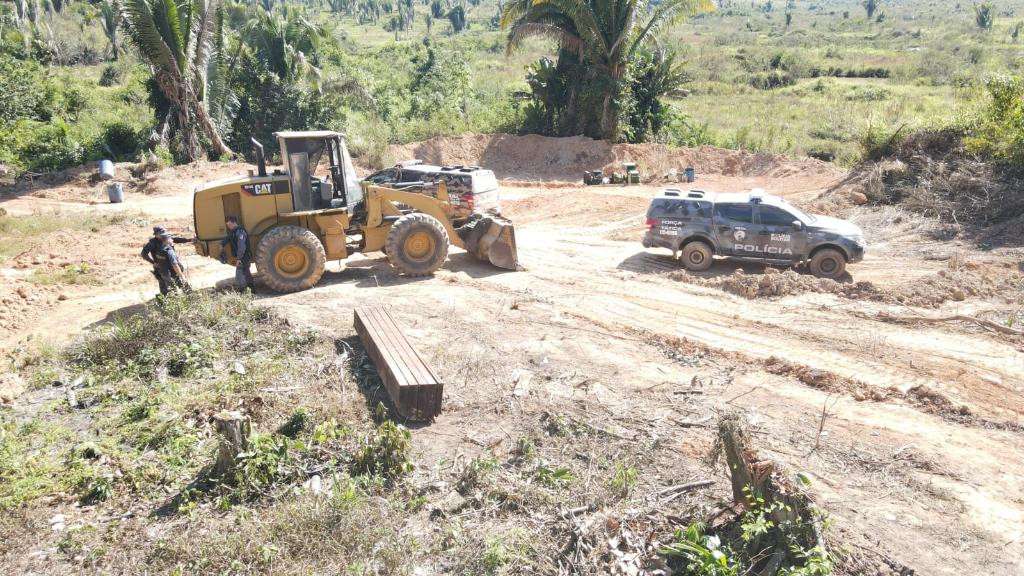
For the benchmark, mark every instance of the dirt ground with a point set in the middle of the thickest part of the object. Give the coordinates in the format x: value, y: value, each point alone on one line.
x: 912, y: 432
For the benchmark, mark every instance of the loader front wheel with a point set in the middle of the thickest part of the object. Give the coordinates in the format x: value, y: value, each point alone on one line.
x: 290, y: 259
x: 417, y: 244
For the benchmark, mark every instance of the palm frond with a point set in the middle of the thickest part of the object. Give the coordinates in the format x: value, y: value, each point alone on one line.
x: 147, y: 36
x: 565, y: 39
x: 668, y: 12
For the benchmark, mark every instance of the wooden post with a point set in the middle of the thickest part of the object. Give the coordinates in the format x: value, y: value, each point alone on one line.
x: 233, y: 428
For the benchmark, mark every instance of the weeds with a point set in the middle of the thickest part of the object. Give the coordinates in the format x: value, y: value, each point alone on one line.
x: 73, y: 275
x: 141, y: 385
x: 756, y: 542
x: 624, y: 478
x: 385, y: 452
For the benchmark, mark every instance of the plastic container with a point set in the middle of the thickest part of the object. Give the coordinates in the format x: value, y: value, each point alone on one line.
x: 115, y: 192
x: 690, y: 174
x: 106, y: 170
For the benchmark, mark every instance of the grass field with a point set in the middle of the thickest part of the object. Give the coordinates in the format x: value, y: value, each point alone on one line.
x: 913, y: 64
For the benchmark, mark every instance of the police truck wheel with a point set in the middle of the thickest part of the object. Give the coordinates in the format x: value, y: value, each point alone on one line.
x: 696, y: 256
x: 290, y: 259
x: 417, y: 244
x: 828, y: 263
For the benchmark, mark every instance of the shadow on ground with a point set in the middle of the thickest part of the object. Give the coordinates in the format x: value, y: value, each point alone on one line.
x: 659, y: 263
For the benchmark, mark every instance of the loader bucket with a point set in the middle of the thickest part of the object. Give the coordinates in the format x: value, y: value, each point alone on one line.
x: 491, y: 238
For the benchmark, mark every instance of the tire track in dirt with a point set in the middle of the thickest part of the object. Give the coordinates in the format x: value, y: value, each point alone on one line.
x: 968, y: 367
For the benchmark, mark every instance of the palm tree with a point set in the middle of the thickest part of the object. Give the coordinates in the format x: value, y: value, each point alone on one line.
x: 109, y: 19
x: 286, y: 43
x: 176, y: 42
x: 604, y: 35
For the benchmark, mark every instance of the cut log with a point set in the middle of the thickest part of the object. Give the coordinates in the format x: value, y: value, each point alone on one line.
x: 412, y: 386
x: 233, y: 428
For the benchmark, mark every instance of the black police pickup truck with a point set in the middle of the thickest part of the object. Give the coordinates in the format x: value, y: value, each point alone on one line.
x: 751, y: 226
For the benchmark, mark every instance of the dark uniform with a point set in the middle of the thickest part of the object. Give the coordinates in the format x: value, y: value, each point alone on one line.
x: 162, y: 256
x: 238, y: 239
x: 153, y: 252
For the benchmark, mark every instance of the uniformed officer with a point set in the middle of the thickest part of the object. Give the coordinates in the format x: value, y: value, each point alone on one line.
x: 153, y: 253
x: 238, y: 239
x: 171, y: 268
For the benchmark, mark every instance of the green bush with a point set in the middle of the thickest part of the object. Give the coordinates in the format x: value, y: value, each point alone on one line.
x: 772, y: 79
x: 384, y: 453
x: 121, y: 140
x: 999, y: 133
x: 20, y: 89
x: 51, y: 147
x: 111, y: 75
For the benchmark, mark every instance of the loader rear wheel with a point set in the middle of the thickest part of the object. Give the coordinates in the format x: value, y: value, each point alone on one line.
x: 290, y: 259
x: 417, y: 244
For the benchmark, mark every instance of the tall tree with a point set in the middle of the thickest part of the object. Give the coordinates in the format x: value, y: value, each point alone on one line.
x: 871, y: 6
x: 457, y: 18
x: 176, y: 42
x: 984, y: 15
x: 604, y: 35
x: 110, y: 18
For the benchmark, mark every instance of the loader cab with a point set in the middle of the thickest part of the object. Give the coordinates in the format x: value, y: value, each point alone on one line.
x: 320, y: 171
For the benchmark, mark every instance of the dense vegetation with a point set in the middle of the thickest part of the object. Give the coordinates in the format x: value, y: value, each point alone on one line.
x: 85, y: 79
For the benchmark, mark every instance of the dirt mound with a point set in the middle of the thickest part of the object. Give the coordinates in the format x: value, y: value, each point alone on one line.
x: 775, y: 283
x: 533, y: 157
x: 928, y: 292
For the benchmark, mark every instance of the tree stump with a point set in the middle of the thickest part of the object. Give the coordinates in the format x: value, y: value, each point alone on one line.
x: 750, y: 476
x: 233, y: 428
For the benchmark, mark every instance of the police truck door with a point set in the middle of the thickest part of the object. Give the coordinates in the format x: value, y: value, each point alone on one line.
x: 733, y: 227
x: 777, y: 237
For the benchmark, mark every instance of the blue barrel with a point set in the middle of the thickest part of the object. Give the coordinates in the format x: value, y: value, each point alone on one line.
x: 691, y: 174
x: 106, y: 170
x: 115, y: 192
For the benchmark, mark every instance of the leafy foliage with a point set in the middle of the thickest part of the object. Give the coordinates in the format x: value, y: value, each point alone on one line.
x: 385, y: 453
x: 598, y: 42
x: 176, y: 41
x: 984, y: 15
x: 758, y: 540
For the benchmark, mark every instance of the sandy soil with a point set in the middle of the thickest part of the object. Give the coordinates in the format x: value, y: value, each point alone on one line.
x: 920, y: 450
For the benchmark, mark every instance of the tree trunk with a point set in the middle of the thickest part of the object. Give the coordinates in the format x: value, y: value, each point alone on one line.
x: 234, y: 429
x: 211, y: 131
x: 609, y: 119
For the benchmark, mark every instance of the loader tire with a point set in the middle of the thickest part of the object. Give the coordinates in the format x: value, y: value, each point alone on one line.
x: 417, y: 244
x: 290, y: 259
x: 827, y: 263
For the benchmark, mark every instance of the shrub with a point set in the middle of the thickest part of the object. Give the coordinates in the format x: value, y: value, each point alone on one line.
x: 20, y: 89
x: 111, y: 75
x: 772, y: 79
x: 120, y: 139
x: 51, y: 147
x: 999, y: 133
x: 385, y: 453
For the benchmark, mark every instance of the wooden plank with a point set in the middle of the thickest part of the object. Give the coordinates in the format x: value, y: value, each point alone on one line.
x: 411, y: 384
x: 379, y: 333
x: 419, y: 371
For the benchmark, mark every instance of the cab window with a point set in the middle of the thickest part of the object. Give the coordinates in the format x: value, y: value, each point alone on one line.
x: 773, y: 216
x: 664, y: 208
x: 741, y: 213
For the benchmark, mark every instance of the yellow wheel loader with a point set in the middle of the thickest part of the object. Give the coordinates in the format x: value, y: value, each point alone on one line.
x: 299, y: 219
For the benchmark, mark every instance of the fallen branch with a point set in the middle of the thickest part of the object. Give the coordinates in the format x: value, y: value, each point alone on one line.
x: 684, y: 487
x: 884, y: 316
